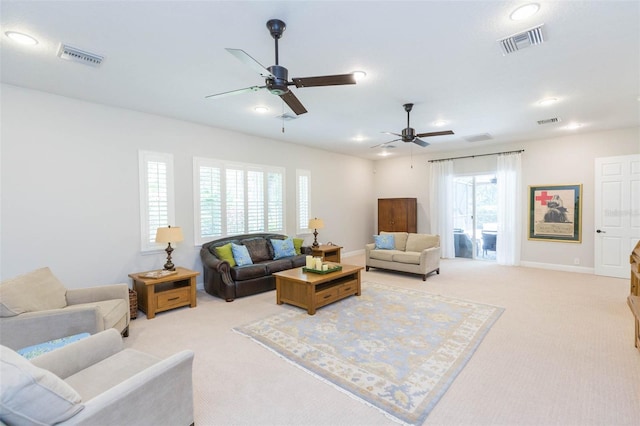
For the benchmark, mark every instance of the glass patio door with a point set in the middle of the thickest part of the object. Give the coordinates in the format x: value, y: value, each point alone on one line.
x: 475, y: 216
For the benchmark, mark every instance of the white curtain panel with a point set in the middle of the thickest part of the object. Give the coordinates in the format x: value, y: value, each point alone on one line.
x: 441, y: 189
x: 509, y: 209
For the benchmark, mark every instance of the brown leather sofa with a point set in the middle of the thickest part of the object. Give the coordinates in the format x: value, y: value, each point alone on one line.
x: 227, y: 282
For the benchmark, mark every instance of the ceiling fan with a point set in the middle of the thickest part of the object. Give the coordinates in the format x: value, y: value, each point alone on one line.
x: 409, y: 135
x: 276, y: 76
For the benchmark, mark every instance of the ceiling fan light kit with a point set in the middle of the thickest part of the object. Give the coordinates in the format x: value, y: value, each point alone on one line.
x: 277, y: 77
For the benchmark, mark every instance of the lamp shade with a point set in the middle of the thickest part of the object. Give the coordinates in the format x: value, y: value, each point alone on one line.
x: 316, y: 223
x: 169, y: 235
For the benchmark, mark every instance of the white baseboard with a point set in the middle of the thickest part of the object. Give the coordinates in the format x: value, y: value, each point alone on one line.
x: 556, y: 267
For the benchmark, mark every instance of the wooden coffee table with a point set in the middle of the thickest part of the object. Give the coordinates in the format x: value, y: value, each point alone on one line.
x: 310, y: 291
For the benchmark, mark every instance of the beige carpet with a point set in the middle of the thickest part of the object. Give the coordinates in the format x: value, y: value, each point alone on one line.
x: 561, y: 354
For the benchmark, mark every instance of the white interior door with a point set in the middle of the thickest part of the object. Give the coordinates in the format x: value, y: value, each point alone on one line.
x: 617, y: 213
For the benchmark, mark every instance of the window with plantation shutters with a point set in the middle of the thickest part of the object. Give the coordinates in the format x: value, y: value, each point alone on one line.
x: 236, y: 199
x: 303, y: 200
x: 156, y: 196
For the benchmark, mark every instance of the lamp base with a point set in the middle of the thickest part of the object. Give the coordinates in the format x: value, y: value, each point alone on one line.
x: 315, y: 239
x: 169, y: 266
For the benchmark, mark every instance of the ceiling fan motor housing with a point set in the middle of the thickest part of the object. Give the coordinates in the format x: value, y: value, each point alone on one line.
x: 408, y: 134
x: 279, y: 84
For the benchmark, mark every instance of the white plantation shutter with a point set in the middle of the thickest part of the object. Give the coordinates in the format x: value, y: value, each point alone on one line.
x: 275, y: 206
x: 156, y: 195
x: 303, y: 200
x: 233, y: 199
x: 235, y: 206
x: 209, y: 213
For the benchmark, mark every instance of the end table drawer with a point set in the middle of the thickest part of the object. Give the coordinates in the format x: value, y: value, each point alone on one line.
x: 173, y: 298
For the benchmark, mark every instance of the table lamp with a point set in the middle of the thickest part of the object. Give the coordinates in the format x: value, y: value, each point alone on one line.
x: 169, y: 235
x: 315, y: 224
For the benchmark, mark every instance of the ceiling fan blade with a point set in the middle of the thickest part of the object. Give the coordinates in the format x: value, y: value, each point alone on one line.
x: 325, y: 80
x: 421, y: 142
x: 385, y: 143
x: 391, y: 133
x: 236, y: 92
x: 296, y: 106
x: 247, y: 59
x: 426, y: 135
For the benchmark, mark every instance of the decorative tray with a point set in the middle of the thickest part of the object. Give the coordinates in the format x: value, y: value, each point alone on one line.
x: 158, y: 274
x: 334, y: 268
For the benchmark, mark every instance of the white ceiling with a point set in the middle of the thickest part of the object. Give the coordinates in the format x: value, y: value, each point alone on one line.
x: 164, y: 57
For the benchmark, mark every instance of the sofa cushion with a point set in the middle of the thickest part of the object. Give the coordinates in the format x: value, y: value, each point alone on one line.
x: 419, y: 242
x: 278, y: 265
x: 400, y: 239
x: 224, y: 252
x: 32, y: 395
x: 384, y: 242
x: 38, y: 290
x: 383, y: 254
x: 410, y: 257
x: 259, y: 249
x: 241, y: 254
x: 283, y: 248
x: 297, y: 245
x: 241, y: 273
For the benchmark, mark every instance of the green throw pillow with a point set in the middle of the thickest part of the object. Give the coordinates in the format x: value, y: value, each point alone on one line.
x: 224, y: 253
x: 297, y: 244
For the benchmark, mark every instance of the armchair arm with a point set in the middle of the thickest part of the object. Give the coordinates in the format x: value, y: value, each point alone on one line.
x: 77, y: 356
x: 76, y: 296
x: 32, y: 328
x: 160, y: 394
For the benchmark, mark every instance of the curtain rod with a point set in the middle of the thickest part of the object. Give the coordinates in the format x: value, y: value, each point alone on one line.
x: 477, y: 155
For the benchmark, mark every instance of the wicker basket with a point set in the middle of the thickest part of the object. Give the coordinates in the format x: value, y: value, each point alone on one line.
x: 133, y: 304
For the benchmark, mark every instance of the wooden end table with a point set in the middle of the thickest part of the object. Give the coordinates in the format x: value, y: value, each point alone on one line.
x: 327, y: 253
x: 170, y: 292
x: 311, y: 291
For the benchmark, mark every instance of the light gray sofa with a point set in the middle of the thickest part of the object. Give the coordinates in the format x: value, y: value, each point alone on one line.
x: 36, y: 307
x: 411, y: 252
x: 94, y: 381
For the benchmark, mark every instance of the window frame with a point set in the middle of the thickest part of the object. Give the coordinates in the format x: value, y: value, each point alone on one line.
x: 246, y: 168
x: 302, y: 224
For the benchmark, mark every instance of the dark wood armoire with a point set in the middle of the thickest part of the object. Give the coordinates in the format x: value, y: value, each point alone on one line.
x: 397, y: 215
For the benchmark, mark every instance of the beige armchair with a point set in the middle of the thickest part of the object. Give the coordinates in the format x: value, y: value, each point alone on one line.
x: 94, y: 381
x: 36, y: 307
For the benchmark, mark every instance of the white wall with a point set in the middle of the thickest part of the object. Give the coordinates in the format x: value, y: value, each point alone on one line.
x: 562, y: 160
x: 70, y: 186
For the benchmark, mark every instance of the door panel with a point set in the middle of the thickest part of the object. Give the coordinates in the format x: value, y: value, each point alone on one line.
x: 617, y: 213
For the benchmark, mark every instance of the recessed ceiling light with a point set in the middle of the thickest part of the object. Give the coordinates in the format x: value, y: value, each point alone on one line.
x: 524, y: 12
x: 359, y: 138
x: 384, y: 153
x: 261, y: 109
x: 359, y: 75
x: 573, y: 126
x: 439, y: 123
x: 547, y: 101
x: 21, y: 38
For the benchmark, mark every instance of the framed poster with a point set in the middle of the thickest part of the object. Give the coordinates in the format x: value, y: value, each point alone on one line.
x: 555, y: 213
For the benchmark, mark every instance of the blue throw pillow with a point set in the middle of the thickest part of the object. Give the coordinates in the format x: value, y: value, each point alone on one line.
x: 385, y: 242
x: 241, y: 255
x: 283, y: 248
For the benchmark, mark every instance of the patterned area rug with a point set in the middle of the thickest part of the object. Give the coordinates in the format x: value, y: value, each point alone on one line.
x: 395, y: 349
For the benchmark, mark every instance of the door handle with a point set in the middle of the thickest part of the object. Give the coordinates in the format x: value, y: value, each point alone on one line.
x: 601, y: 232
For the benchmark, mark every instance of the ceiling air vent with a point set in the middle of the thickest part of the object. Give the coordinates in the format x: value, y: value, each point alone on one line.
x: 479, y: 138
x: 521, y: 40
x: 549, y: 121
x: 76, y: 55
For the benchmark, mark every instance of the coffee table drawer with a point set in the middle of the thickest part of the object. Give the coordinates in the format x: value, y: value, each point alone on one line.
x: 173, y: 298
x: 350, y: 287
x: 327, y: 296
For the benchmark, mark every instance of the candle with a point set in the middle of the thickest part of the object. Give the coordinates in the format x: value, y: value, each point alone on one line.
x: 318, y: 263
x: 310, y: 262
x: 325, y: 267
